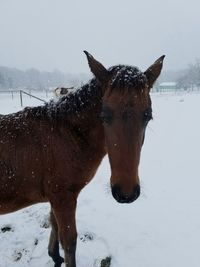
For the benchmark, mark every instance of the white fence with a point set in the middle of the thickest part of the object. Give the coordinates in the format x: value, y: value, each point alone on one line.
x: 25, y: 98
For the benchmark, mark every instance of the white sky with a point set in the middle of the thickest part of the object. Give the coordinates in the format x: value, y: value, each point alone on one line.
x: 51, y: 34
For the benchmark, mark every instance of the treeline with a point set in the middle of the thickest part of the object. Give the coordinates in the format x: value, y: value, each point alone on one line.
x: 11, y: 78
x: 190, y: 78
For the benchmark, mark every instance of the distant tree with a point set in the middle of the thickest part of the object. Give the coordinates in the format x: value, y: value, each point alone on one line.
x: 35, y: 79
x: 191, y: 77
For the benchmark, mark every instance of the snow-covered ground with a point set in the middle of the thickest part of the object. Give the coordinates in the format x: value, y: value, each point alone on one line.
x: 160, y: 229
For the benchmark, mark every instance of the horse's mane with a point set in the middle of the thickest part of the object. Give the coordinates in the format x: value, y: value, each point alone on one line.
x: 87, y: 96
x: 73, y: 103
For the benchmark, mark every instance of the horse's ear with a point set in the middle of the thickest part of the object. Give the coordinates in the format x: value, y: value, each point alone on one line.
x: 99, y: 71
x: 154, y: 71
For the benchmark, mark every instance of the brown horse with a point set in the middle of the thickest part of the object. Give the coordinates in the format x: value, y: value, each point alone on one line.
x: 49, y: 153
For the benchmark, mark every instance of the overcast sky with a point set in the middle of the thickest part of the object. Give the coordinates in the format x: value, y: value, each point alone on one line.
x: 51, y: 34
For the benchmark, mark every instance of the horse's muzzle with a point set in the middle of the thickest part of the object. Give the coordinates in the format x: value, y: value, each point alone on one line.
x: 122, y: 198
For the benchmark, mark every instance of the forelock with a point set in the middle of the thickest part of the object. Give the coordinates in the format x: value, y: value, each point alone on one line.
x: 127, y: 77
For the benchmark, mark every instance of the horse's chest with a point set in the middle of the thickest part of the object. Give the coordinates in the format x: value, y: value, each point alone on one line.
x: 76, y: 164
x: 91, y: 161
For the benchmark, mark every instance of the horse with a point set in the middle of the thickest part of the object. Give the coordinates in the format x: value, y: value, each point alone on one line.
x: 60, y: 91
x: 50, y: 152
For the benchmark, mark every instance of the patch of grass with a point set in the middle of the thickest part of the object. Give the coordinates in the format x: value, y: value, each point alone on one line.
x: 17, y: 255
x: 6, y: 228
x: 106, y: 262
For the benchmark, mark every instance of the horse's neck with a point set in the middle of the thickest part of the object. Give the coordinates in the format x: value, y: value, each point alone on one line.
x: 80, y: 108
x: 86, y: 127
x: 88, y: 120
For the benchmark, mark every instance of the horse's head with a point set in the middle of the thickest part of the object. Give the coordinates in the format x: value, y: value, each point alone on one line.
x: 126, y: 111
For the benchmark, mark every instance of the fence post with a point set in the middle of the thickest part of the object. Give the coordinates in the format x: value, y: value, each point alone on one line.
x: 20, y: 92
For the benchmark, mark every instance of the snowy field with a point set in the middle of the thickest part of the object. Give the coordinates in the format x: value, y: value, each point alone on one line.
x: 160, y: 229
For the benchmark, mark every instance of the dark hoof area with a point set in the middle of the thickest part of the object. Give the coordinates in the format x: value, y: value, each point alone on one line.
x: 58, y: 262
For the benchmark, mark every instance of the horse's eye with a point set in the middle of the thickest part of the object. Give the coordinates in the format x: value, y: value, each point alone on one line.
x: 106, y: 118
x: 147, y: 115
x: 106, y: 115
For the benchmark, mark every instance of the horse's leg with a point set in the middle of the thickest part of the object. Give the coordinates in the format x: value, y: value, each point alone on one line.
x: 65, y: 217
x: 53, y: 247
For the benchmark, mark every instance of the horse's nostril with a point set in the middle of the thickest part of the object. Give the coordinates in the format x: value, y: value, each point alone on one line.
x: 124, y: 198
x: 136, y: 192
x: 116, y: 192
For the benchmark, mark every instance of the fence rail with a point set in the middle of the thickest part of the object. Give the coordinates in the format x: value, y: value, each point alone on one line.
x: 23, y: 92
